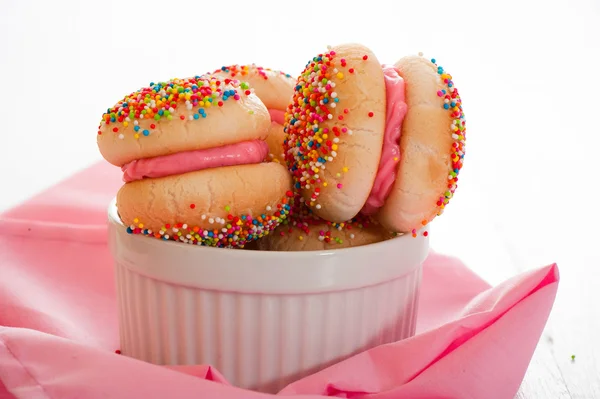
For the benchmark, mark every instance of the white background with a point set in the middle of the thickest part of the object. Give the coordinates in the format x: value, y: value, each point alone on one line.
x: 528, y: 73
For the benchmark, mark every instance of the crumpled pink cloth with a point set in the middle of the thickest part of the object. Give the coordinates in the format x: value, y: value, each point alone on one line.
x: 59, y: 325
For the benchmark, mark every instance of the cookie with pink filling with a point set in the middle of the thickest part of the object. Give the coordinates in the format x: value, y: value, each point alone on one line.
x: 193, y: 156
x: 384, y: 141
x: 275, y: 89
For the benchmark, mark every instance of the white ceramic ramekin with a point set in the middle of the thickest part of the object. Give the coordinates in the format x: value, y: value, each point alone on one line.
x: 263, y: 319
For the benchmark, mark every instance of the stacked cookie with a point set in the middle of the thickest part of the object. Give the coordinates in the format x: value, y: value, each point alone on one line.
x: 192, y: 153
x: 370, y: 152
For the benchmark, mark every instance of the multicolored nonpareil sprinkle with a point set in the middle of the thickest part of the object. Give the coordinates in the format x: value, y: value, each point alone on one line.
x: 308, y: 145
x: 184, y: 99
x: 245, y: 70
x: 453, y: 104
x: 228, y: 232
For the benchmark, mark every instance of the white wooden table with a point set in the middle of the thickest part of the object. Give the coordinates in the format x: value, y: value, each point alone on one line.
x: 493, y: 248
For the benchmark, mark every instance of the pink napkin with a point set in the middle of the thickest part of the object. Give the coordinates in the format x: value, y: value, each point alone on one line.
x: 59, y: 324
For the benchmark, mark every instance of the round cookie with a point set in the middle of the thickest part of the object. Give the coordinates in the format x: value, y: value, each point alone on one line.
x: 181, y: 115
x: 334, y: 130
x: 313, y: 234
x: 432, y: 147
x: 275, y: 89
x: 223, y: 207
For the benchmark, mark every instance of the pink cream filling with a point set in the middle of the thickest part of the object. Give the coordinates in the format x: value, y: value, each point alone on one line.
x: 246, y: 152
x: 390, y: 155
x: 277, y: 116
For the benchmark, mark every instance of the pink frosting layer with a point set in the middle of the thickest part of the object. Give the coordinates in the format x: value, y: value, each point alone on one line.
x: 390, y: 154
x: 246, y: 152
x: 277, y: 116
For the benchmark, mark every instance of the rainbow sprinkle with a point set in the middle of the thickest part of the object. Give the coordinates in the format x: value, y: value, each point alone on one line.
x: 453, y: 104
x: 228, y: 232
x: 245, y: 70
x: 308, y: 145
x: 184, y: 99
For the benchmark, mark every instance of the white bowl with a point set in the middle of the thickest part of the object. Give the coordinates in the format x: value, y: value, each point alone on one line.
x: 263, y: 319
